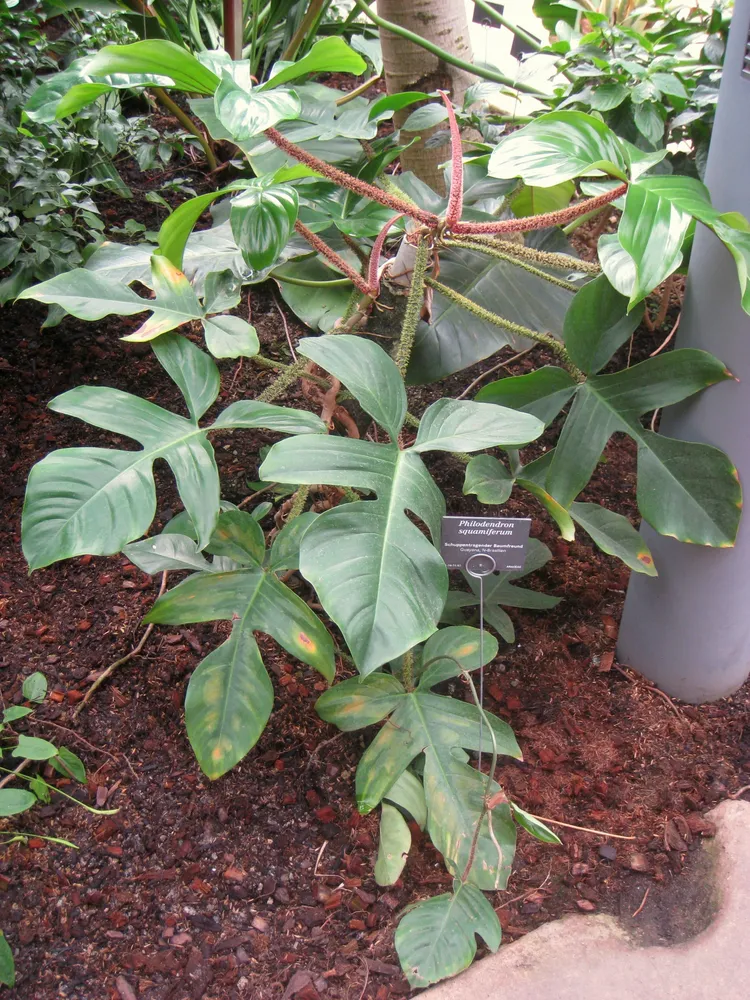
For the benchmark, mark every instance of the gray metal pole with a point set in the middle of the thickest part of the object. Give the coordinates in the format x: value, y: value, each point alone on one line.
x: 688, y: 630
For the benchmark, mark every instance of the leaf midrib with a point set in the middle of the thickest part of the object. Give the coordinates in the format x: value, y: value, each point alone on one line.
x: 241, y: 626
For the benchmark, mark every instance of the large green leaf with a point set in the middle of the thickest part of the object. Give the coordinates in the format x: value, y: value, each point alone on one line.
x: 247, y: 113
x: 177, y: 227
x: 461, y: 425
x: 455, y: 339
x: 230, y: 696
x: 737, y: 241
x: 557, y: 147
x: 319, y: 307
x: 543, y: 392
x: 394, y: 845
x: 686, y: 490
x: 262, y: 221
x: 656, y: 220
x: 367, y: 371
x: 87, y: 295
x: 151, y: 62
x: 375, y: 572
x: 96, y: 500
x: 423, y: 721
x: 63, y: 94
x: 436, y: 938
x: 455, y: 794
x: 651, y: 232
x: 597, y: 323
x: 442, y: 728
x: 615, y: 535
x: 450, y: 651
x: 328, y: 55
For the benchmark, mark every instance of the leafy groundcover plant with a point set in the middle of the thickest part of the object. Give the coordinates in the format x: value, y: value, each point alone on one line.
x: 442, y: 284
x: 21, y: 791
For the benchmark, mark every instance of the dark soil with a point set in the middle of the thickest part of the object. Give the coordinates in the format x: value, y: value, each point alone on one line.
x: 260, y: 885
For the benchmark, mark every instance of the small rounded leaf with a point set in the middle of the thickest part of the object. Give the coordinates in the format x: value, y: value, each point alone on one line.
x: 262, y: 222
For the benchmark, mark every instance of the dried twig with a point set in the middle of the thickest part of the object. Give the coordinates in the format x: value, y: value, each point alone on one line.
x: 367, y: 976
x: 643, y: 902
x: 583, y: 829
x: 286, y: 326
x: 736, y: 795
x: 123, y: 659
x: 491, y: 371
x: 652, y: 688
x: 257, y: 493
x: 9, y: 777
x: 671, y: 334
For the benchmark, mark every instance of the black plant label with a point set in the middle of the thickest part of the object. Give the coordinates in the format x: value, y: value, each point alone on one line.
x: 502, y: 539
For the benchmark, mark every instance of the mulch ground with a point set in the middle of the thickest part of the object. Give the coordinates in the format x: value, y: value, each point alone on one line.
x: 260, y: 885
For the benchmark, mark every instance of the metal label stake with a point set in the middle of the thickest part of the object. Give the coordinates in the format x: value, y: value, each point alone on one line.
x: 479, y: 565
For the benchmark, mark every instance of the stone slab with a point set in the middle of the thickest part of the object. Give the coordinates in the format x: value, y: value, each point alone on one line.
x: 595, y: 958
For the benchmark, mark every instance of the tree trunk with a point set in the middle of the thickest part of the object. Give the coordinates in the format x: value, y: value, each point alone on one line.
x: 409, y: 67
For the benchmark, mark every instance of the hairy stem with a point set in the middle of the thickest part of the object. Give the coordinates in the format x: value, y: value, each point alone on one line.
x: 407, y: 671
x: 288, y: 377
x: 506, y: 324
x: 345, y: 180
x: 322, y: 247
x: 258, y: 359
x: 557, y: 261
x: 377, y: 248
x: 187, y: 123
x: 499, y: 255
x: 560, y: 218
x: 413, y: 307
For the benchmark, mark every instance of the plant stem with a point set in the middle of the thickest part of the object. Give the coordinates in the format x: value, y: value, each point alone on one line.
x: 531, y: 222
x: 518, y: 32
x: 258, y: 359
x: 187, y: 123
x: 499, y: 255
x: 330, y: 254
x: 315, y: 9
x: 357, y: 90
x: 481, y: 71
x: 307, y: 283
x: 13, y: 774
x: 288, y: 377
x: 345, y: 180
x: 489, y: 317
x: 558, y: 261
x: 377, y: 248
x: 413, y: 307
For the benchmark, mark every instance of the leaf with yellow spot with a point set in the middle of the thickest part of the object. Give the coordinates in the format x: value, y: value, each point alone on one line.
x: 615, y: 535
x: 230, y: 696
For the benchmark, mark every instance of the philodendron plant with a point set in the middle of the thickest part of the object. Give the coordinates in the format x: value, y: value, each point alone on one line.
x: 441, y: 283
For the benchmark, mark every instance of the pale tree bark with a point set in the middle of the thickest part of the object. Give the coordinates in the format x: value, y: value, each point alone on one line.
x: 409, y: 67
